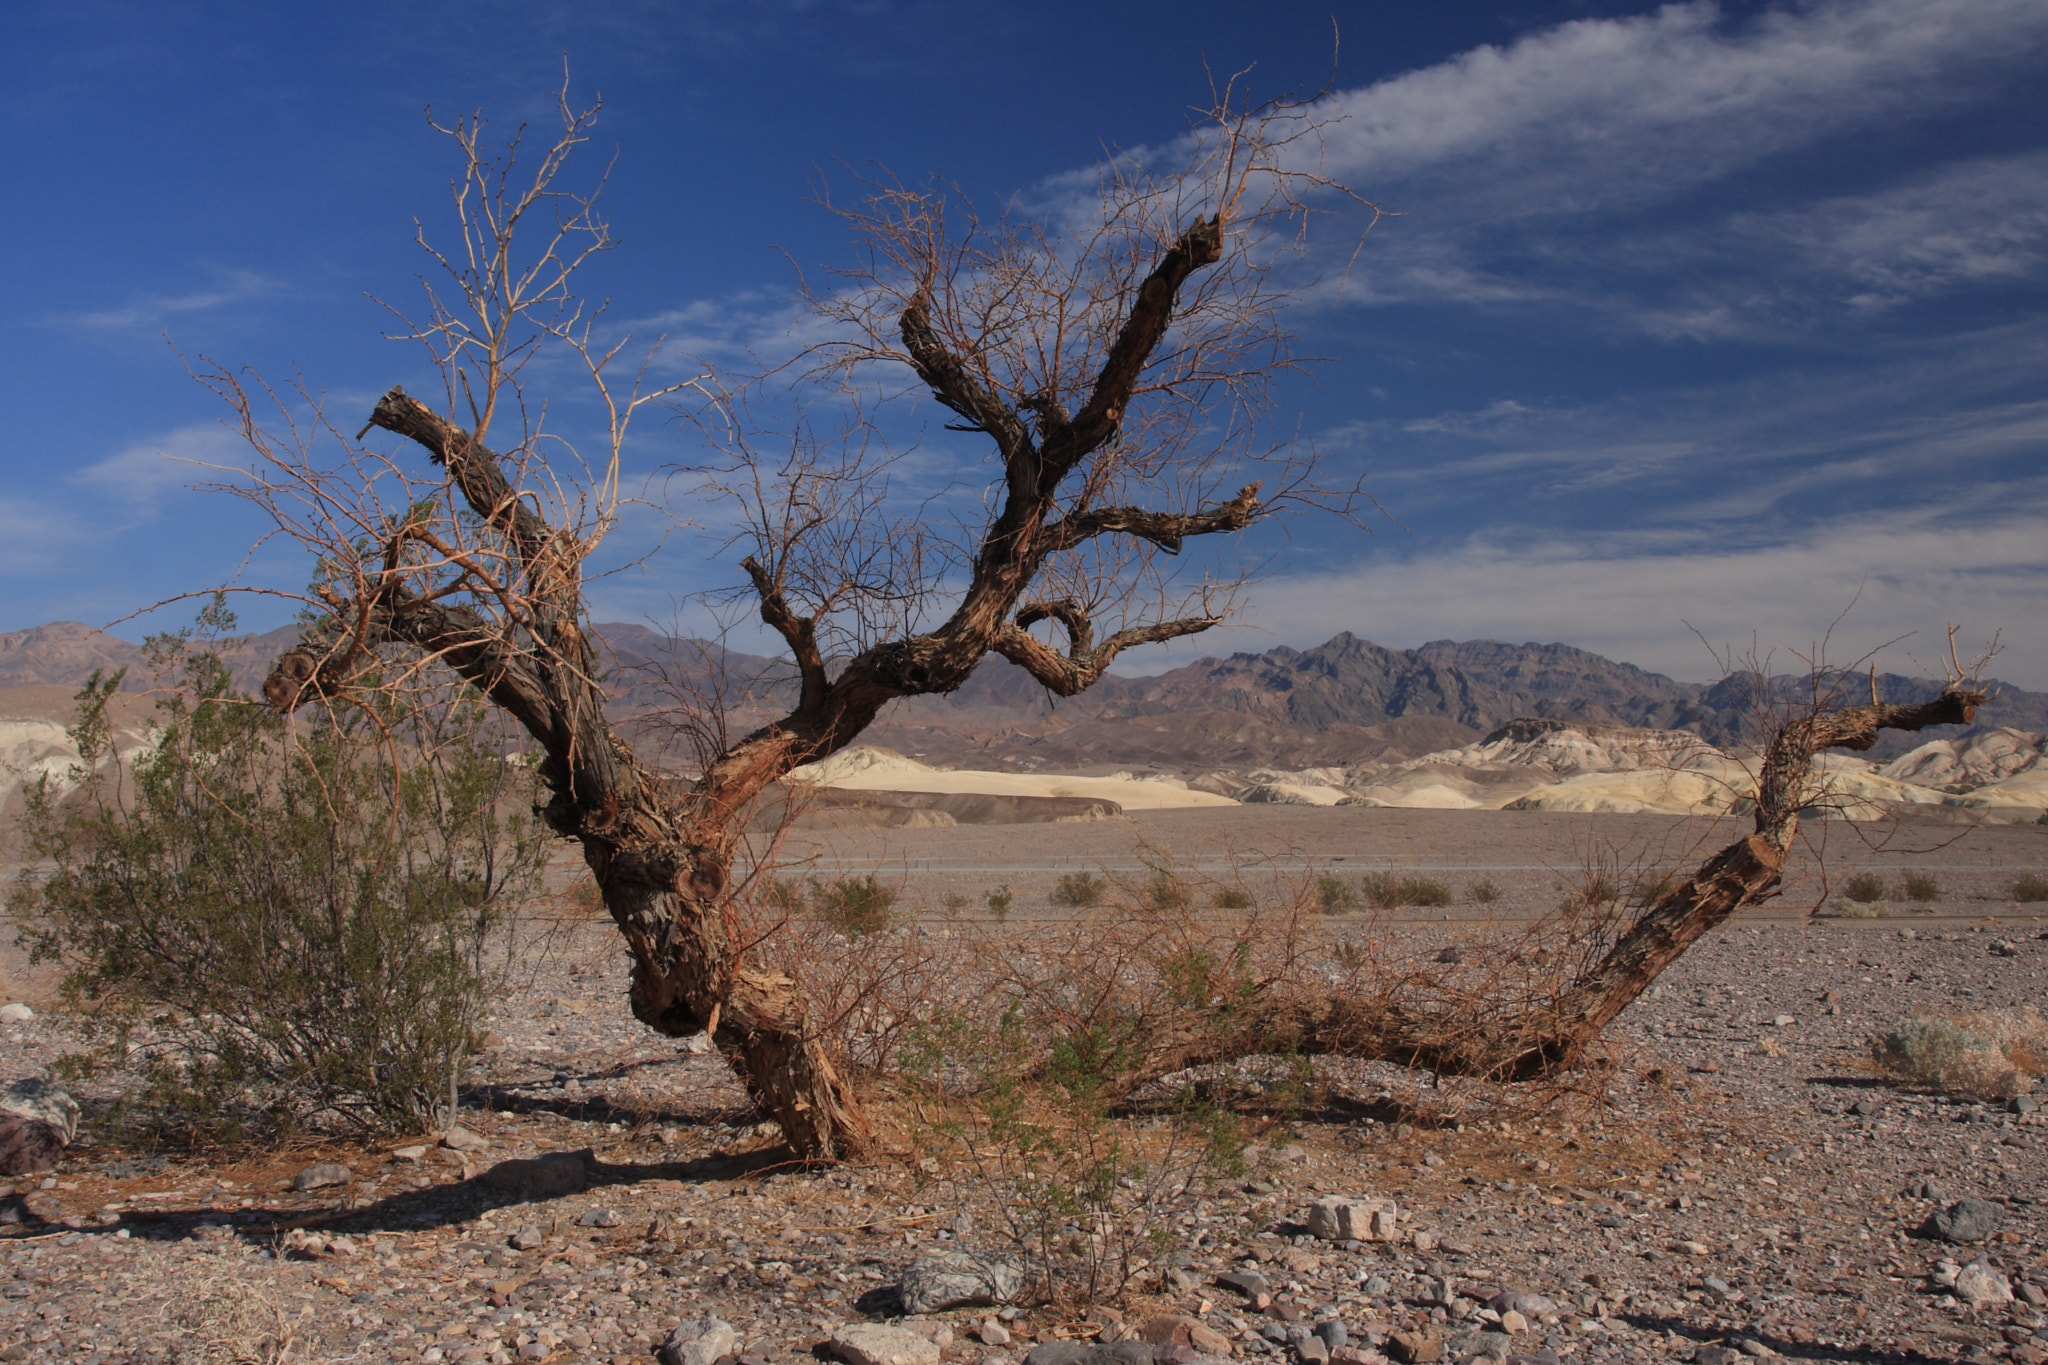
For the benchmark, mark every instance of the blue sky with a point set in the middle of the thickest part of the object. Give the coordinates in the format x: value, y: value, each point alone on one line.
x: 1694, y: 316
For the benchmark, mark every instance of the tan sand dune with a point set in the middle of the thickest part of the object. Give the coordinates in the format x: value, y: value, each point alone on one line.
x: 870, y: 768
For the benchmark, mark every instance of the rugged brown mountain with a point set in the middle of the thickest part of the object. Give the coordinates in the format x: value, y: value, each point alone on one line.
x: 1347, y: 701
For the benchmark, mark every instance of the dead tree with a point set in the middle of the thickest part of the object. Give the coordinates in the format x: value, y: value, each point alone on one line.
x: 1096, y: 347
x: 1544, y: 1033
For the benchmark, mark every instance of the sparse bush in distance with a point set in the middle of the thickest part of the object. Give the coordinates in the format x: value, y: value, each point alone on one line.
x: 999, y: 899
x: 276, y: 929
x: 1078, y: 890
x: 1867, y: 887
x: 954, y: 901
x: 1993, y: 1053
x: 2030, y: 888
x: 1165, y: 893
x: 1483, y: 891
x: 1387, y: 891
x: 1841, y: 907
x: 854, y: 905
x: 1424, y: 891
x: 1230, y: 898
x: 1334, y: 894
x: 1922, y: 886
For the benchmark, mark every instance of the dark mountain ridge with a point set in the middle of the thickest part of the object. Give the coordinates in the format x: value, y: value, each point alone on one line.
x: 1346, y: 700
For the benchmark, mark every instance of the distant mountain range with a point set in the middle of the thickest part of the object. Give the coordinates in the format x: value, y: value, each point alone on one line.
x: 1347, y: 701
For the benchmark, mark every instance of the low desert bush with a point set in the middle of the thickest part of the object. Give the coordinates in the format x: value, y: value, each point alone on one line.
x: 1230, y: 898
x: 1086, y: 1195
x: 1992, y: 1053
x: 2029, y: 888
x: 277, y: 927
x: 1388, y: 891
x: 1078, y: 890
x: 999, y: 900
x: 853, y: 905
x: 1867, y: 887
x: 1483, y: 891
x: 1334, y: 895
x: 1921, y: 886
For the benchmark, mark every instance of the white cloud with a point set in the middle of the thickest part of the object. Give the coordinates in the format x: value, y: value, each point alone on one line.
x: 1601, y: 112
x: 151, y: 311
x: 1599, y: 595
x: 136, y: 477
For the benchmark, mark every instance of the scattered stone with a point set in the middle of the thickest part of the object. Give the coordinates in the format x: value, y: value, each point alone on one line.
x: 1249, y: 1283
x: 1716, y: 1355
x: 1783, y: 1021
x: 600, y: 1218
x: 871, y: 1343
x: 1333, y: 1333
x: 16, y: 1013
x: 1354, y: 1220
x: 1181, y: 1330
x: 409, y: 1156
x: 1494, y: 1345
x: 1965, y: 1222
x: 1532, y: 1358
x: 1528, y: 1305
x: 2023, y: 1104
x: 462, y: 1140
x: 1864, y: 1107
x: 1978, y: 1285
x: 527, y: 1239
x: 993, y: 1333
x: 37, y: 1122
x: 1415, y: 1348
x: 321, y: 1175
x: 704, y: 1341
x: 1513, y: 1323
x: 939, y: 1280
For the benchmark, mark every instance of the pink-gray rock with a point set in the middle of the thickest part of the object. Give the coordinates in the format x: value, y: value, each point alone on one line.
x: 1354, y: 1220
x: 322, y: 1175
x: 37, y: 1122
x: 1978, y: 1285
x: 699, y: 1343
x: 871, y: 1343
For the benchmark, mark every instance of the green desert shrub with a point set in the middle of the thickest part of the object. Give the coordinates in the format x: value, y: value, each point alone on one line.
x: 1483, y: 891
x: 854, y: 905
x: 1334, y: 895
x: 999, y: 900
x: 1389, y: 891
x: 2030, y: 888
x: 1993, y: 1053
x: 1078, y: 890
x: 1230, y: 898
x: 1921, y: 886
x: 1866, y: 887
x: 277, y: 927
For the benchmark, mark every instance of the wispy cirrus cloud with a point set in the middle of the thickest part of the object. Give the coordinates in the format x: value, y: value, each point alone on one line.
x: 149, y: 312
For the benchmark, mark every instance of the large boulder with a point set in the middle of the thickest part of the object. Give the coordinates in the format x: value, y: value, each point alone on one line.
x: 1966, y: 1221
x: 37, y: 1122
x: 950, y: 1278
x: 1354, y: 1220
x: 699, y: 1343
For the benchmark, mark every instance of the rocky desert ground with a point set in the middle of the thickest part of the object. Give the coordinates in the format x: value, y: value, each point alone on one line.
x: 1736, y: 1179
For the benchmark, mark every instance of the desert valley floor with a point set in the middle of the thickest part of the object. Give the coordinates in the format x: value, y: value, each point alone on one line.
x: 1736, y: 1179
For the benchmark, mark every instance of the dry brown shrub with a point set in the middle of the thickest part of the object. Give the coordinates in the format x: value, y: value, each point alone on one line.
x: 1995, y: 1053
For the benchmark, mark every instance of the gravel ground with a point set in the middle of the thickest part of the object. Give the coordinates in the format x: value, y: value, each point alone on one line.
x: 1742, y: 1181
